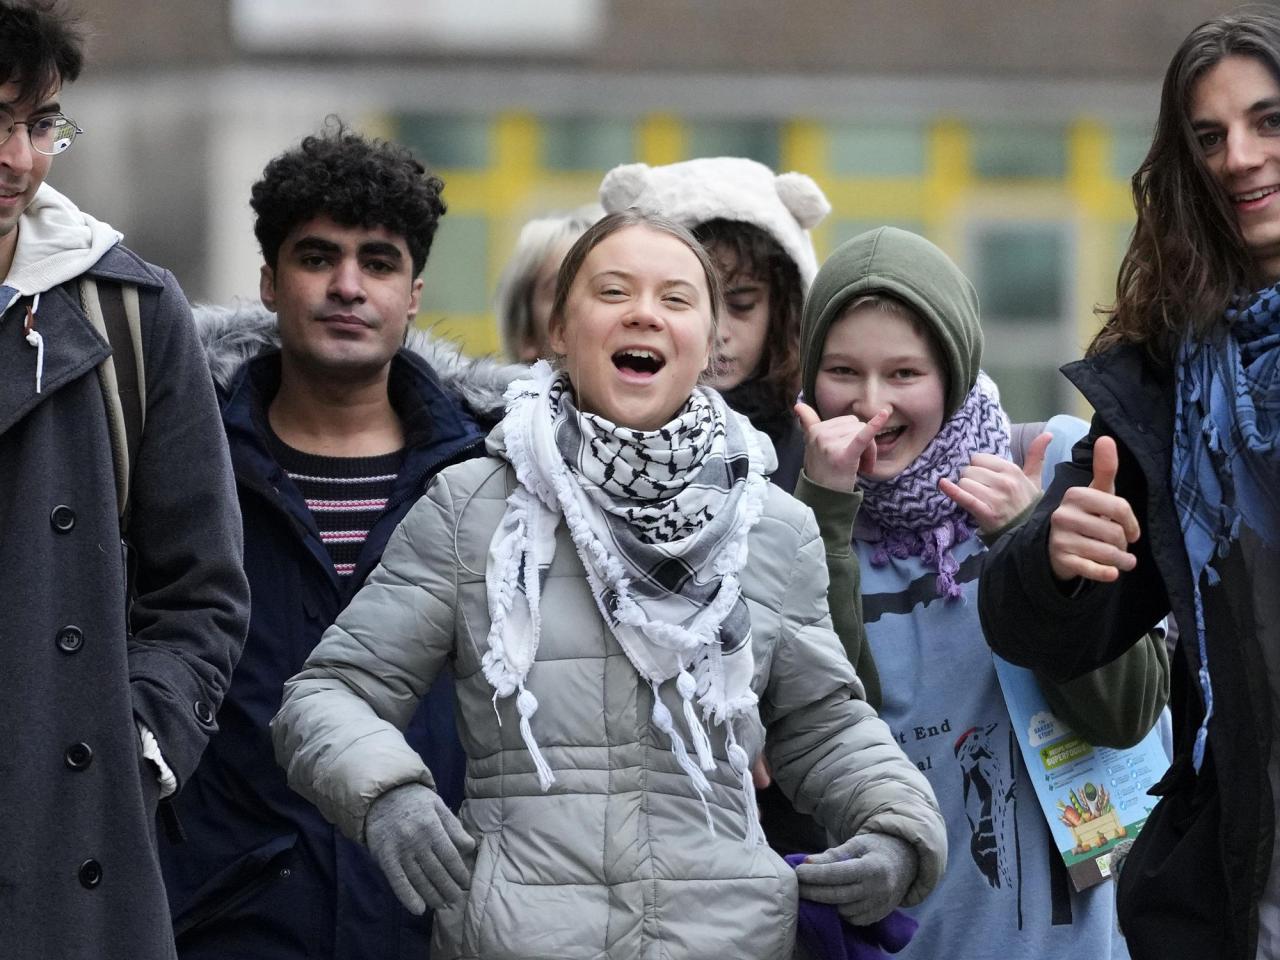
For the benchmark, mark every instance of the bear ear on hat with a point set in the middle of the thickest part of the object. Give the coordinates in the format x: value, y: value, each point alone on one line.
x: 803, y: 197
x: 623, y: 185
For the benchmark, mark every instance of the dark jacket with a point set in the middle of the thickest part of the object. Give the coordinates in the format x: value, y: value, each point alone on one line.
x: 1190, y: 886
x: 752, y: 400
x: 78, y: 870
x: 261, y: 873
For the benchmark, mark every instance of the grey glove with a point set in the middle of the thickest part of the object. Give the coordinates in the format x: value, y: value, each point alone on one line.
x: 865, y: 878
x: 420, y: 846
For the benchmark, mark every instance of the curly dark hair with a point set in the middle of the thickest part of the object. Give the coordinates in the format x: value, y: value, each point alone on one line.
x: 354, y: 181
x: 1187, y: 258
x: 41, y: 47
x: 743, y: 249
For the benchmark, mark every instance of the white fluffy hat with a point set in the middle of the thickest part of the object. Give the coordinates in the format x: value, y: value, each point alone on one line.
x: 785, y: 205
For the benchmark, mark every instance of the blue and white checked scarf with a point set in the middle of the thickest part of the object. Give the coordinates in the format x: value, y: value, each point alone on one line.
x: 660, y: 520
x: 1226, y: 466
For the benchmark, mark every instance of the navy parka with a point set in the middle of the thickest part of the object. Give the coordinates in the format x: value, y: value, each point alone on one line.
x: 261, y: 873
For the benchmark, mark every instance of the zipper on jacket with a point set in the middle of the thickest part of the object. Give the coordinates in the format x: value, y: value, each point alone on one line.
x: 431, y: 469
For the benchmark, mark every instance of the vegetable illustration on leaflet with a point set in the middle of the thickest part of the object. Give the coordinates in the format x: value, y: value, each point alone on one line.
x: 1090, y: 817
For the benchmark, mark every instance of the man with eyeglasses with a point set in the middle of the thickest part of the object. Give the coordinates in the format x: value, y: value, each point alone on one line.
x: 122, y: 615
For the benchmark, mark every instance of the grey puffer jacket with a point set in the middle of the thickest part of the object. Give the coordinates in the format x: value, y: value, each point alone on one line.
x: 616, y: 859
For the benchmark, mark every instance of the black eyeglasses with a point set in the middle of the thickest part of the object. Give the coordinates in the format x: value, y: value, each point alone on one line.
x: 50, y: 135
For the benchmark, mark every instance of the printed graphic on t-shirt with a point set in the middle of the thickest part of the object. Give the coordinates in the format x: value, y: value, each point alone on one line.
x: 986, y: 759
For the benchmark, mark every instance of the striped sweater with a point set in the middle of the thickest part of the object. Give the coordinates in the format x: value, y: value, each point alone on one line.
x: 344, y: 494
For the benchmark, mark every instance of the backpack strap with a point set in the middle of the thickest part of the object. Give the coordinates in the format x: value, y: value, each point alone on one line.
x: 112, y: 308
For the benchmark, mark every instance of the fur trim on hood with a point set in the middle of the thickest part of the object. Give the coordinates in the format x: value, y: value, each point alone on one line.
x: 231, y: 336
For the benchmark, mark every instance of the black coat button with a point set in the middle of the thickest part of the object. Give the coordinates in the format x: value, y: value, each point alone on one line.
x: 90, y: 874
x: 78, y: 756
x: 62, y: 518
x: 70, y: 639
x: 203, y: 713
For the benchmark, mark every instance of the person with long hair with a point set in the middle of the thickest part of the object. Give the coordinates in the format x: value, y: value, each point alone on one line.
x: 626, y: 602
x: 1172, y: 501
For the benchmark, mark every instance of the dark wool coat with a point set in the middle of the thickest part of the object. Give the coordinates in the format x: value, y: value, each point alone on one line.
x: 261, y: 873
x: 1190, y: 886
x: 79, y: 876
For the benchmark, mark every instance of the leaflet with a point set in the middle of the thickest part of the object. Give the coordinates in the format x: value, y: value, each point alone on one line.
x: 1094, y: 798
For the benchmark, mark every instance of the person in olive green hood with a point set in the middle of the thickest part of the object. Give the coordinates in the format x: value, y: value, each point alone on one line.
x: 908, y: 455
x: 909, y: 268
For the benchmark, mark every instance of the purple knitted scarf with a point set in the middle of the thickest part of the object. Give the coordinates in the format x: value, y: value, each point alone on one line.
x: 913, y: 516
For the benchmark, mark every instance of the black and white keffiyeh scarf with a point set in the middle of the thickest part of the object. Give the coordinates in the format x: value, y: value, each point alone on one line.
x: 660, y: 520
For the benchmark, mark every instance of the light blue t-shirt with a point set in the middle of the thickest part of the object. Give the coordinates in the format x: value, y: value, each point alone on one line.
x: 943, y: 702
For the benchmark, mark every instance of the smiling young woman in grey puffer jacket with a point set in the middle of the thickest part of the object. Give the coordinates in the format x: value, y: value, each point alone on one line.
x: 624, y: 600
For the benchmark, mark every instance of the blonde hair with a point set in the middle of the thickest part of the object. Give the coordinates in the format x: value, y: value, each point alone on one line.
x: 514, y: 295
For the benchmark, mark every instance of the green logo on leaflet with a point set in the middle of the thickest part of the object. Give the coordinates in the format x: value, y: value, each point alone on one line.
x: 1063, y: 752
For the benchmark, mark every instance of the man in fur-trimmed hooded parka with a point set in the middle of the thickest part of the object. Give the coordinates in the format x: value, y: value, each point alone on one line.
x: 335, y: 428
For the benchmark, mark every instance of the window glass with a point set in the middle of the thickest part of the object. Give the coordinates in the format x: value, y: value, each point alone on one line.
x: 756, y: 140
x: 1029, y: 394
x: 877, y: 150
x: 446, y: 142
x: 586, y: 143
x: 1120, y: 236
x: 1020, y: 272
x: 1019, y: 152
x: 1129, y: 147
x: 454, y: 281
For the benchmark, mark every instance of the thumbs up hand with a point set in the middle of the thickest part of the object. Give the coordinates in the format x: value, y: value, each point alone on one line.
x: 994, y: 490
x: 837, y: 450
x: 1090, y: 532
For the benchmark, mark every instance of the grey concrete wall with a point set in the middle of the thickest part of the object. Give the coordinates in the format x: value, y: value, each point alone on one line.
x: 1067, y: 38
x: 1124, y: 39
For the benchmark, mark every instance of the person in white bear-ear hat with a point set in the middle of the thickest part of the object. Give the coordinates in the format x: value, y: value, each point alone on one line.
x: 755, y: 224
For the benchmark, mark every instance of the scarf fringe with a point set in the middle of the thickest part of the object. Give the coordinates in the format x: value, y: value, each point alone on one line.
x: 663, y: 720
x: 687, y: 687
x: 740, y: 762
x: 527, y: 706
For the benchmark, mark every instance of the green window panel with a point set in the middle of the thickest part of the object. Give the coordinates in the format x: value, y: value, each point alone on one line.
x: 1029, y: 394
x: 1021, y: 272
x: 756, y: 140
x: 454, y: 281
x: 842, y: 230
x: 446, y: 142
x: 877, y: 150
x: 1019, y: 152
x: 587, y: 143
x: 1129, y: 147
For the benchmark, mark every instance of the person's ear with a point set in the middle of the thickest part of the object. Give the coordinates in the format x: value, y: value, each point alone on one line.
x: 267, y: 287
x: 556, y: 337
x: 415, y: 300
